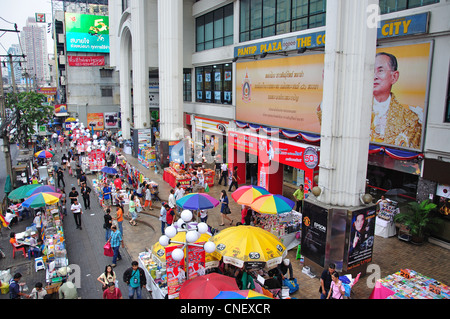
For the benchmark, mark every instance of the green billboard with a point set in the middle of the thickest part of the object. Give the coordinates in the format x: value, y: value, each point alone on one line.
x: 87, y: 33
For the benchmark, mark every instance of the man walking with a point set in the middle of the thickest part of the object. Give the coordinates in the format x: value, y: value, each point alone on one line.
x: 223, y: 174
x: 135, y: 279
x: 60, y: 175
x: 234, y: 179
x: 76, y: 210
x: 85, y: 193
x: 116, y: 240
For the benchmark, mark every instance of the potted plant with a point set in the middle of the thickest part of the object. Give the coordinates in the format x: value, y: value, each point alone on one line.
x: 420, y: 220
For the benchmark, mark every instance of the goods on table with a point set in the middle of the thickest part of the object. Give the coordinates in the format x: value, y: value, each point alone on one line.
x: 147, y: 156
x: 155, y: 269
x: 417, y: 286
x: 175, y: 174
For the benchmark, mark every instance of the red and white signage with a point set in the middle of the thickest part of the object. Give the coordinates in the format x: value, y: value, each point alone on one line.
x: 86, y: 60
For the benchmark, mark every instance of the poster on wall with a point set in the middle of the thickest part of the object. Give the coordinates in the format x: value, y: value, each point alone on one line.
x: 361, y: 237
x: 87, y: 33
x: 288, y: 91
x: 111, y: 119
x: 96, y: 121
x: 314, y: 232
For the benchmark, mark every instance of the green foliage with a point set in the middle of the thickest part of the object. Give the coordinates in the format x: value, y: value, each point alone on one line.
x: 419, y: 217
x: 29, y: 109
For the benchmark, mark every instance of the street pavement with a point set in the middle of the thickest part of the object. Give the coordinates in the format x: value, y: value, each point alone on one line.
x: 85, y: 247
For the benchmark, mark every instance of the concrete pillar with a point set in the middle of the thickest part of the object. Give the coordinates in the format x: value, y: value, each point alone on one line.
x: 125, y: 83
x: 170, y: 52
x: 140, y: 65
x: 347, y: 99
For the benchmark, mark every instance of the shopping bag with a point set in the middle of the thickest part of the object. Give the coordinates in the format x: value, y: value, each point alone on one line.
x: 107, y: 250
x: 206, y: 188
x: 292, y: 284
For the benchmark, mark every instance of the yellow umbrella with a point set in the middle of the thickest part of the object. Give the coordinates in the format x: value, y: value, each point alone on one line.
x: 248, y: 245
x: 159, y: 251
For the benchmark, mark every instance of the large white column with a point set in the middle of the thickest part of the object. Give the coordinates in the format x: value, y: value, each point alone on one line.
x: 347, y: 99
x: 125, y: 83
x: 170, y: 52
x: 140, y: 65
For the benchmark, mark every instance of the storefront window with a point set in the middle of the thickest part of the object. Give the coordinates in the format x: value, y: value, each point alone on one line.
x: 215, y: 29
x: 293, y: 175
x: 214, y: 84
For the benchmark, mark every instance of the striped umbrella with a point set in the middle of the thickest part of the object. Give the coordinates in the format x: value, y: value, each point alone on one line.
x: 22, y: 191
x: 42, y: 189
x: 44, y: 154
x: 272, y: 204
x: 41, y: 199
x: 245, y: 195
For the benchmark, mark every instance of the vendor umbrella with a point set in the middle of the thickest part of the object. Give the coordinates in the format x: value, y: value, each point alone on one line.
x: 108, y: 170
x: 250, y: 246
x: 272, y: 204
x: 241, y: 294
x: 42, y: 189
x: 44, y: 154
x: 22, y: 191
x: 197, y: 201
x: 245, y: 195
x: 207, y: 286
x: 41, y: 199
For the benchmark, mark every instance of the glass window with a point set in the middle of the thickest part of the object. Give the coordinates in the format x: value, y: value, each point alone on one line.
x: 187, y: 85
x: 264, y: 18
x: 215, y: 29
x: 214, y: 84
x: 387, y: 6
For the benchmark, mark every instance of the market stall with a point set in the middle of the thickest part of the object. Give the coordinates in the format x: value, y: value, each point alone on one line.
x: 409, y: 284
x: 176, y: 174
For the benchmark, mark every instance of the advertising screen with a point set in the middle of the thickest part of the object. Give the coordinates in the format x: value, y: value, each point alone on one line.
x: 87, y: 33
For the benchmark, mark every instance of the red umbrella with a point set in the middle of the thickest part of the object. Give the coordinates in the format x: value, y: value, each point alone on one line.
x: 207, y: 286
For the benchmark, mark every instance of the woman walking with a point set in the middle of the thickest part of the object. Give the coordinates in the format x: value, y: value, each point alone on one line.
x: 132, y: 210
x: 224, y: 209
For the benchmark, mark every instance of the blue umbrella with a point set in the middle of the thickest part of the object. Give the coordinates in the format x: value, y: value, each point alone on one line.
x: 108, y: 170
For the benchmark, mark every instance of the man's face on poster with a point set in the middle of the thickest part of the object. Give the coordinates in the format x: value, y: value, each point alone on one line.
x: 384, y: 78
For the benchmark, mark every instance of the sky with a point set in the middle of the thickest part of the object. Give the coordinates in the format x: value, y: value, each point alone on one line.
x: 18, y: 11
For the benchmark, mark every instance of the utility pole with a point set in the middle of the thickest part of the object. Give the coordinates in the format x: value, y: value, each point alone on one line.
x: 6, y: 148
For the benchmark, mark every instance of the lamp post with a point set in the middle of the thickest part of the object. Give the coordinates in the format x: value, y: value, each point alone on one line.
x: 193, y: 232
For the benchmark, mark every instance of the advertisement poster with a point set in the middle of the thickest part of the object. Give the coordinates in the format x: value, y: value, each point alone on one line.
x: 288, y: 91
x: 176, y: 273
x: 314, y: 233
x: 361, y: 237
x: 87, y: 33
x: 86, y: 60
x: 96, y: 121
x: 196, y: 261
x: 111, y: 119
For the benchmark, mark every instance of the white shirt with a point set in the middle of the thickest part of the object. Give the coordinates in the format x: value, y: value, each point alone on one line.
x: 75, y: 208
x: 172, y: 202
x: 224, y: 167
x: 380, y: 110
x: 179, y: 193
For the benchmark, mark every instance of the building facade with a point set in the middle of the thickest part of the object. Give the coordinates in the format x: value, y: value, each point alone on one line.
x: 87, y: 85
x: 250, y: 74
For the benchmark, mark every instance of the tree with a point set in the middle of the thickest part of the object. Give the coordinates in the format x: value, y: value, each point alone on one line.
x: 27, y: 110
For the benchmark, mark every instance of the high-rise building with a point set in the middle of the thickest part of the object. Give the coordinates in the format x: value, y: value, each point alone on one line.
x: 34, y: 45
x: 14, y: 49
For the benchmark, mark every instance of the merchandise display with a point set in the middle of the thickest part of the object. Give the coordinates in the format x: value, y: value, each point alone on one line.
x: 54, y: 254
x: 155, y: 273
x: 287, y: 227
x: 409, y: 284
x: 147, y: 156
x: 176, y: 174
